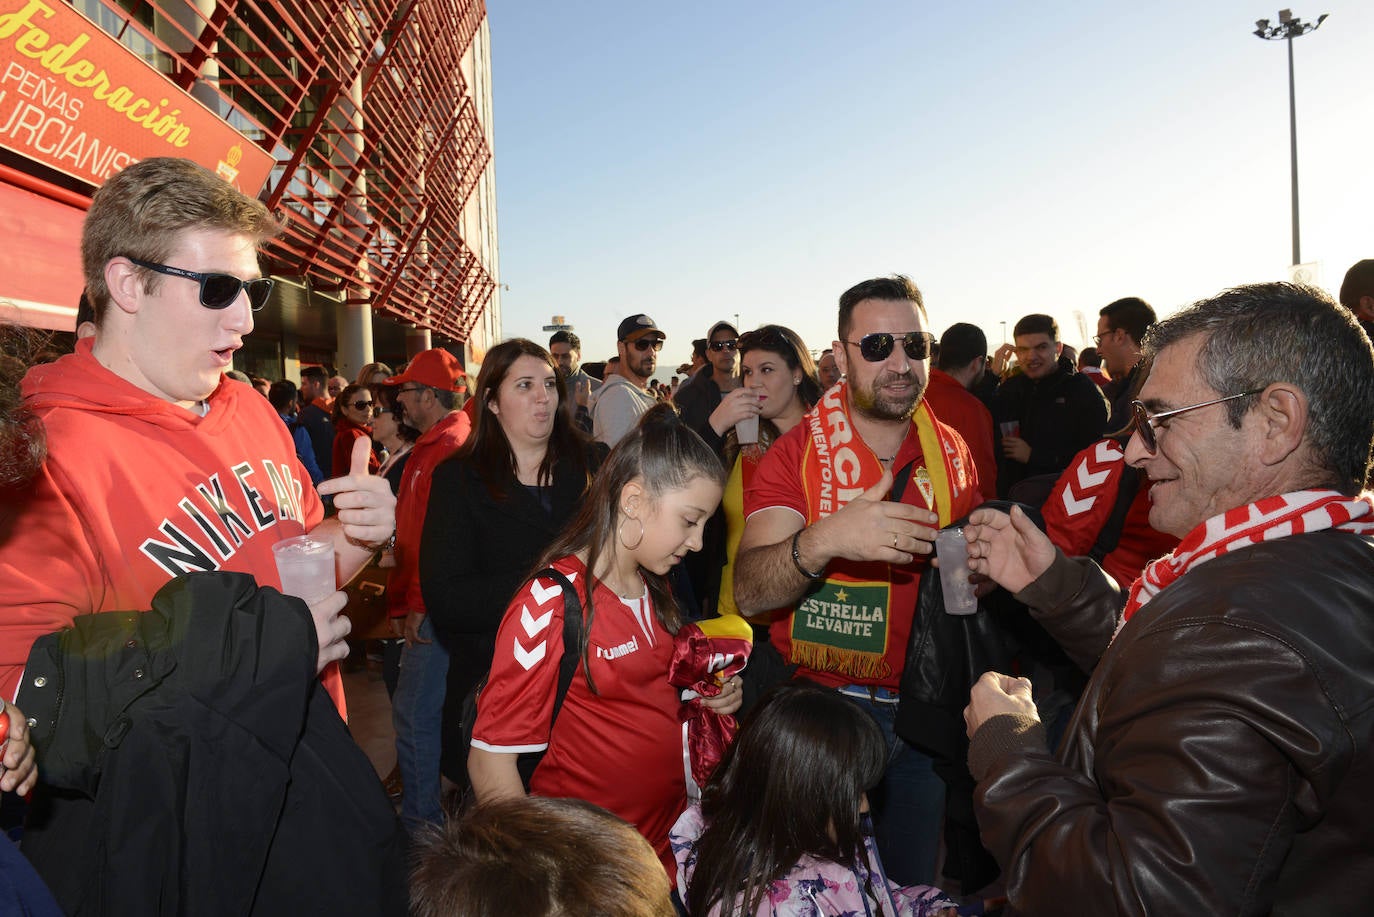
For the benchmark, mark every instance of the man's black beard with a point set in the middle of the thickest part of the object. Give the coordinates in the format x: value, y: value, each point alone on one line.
x: 866, y: 403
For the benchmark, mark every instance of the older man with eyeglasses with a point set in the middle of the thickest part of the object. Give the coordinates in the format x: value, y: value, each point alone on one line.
x: 1220, y: 756
x: 625, y: 396
x: 430, y: 394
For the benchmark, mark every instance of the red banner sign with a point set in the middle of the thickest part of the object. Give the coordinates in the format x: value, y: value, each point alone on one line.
x: 76, y: 100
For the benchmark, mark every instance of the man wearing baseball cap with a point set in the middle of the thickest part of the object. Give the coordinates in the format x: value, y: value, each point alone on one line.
x: 430, y: 393
x: 625, y: 397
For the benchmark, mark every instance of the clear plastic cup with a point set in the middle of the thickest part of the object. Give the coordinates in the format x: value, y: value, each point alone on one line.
x: 747, y: 430
x: 306, y: 567
x: 952, y: 550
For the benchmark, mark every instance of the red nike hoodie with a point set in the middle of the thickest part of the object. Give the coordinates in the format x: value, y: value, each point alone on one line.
x: 137, y: 490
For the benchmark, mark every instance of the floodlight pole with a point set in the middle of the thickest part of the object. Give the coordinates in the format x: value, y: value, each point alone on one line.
x: 1289, y: 28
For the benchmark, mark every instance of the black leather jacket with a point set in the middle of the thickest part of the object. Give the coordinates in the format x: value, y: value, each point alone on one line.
x: 1221, y: 760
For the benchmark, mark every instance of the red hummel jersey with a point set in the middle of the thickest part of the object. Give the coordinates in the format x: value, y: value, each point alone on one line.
x: 1081, y: 503
x: 621, y: 748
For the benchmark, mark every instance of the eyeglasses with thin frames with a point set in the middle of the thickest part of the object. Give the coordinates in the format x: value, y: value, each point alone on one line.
x: 1146, y: 423
x: 217, y: 291
x: 878, y: 346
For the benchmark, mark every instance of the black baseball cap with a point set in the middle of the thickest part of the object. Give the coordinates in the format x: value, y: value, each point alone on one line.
x: 636, y: 327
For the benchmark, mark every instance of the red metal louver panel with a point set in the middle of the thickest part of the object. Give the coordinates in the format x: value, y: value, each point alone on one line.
x: 376, y: 134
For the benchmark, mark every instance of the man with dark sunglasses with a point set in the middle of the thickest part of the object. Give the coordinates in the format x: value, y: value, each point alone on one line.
x: 1045, y: 414
x: 157, y: 467
x: 840, y: 516
x: 1219, y: 758
x: 706, y: 401
x: 625, y: 395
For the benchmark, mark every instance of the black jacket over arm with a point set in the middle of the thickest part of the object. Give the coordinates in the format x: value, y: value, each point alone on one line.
x: 192, y: 764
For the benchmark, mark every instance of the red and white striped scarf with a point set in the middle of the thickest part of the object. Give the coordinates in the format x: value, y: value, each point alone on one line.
x: 1298, y: 513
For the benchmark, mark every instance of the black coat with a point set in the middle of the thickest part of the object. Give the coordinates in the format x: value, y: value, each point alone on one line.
x: 1059, y: 416
x: 192, y: 764
x: 318, y: 424
x: 475, y: 553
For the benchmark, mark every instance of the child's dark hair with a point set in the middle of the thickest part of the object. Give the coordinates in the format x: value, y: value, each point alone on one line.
x: 664, y: 454
x: 790, y: 785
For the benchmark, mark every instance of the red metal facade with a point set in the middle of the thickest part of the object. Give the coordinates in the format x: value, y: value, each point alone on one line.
x: 375, y: 129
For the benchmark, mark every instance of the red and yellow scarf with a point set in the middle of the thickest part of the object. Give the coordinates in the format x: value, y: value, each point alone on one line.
x: 844, y: 625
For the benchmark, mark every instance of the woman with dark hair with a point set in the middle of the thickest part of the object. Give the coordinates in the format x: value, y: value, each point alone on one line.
x: 783, y: 827
x: 493, y: 508
x: 353, y: 413
x: 392, y: 434
x: 776, y: 366
x: 618, y: 739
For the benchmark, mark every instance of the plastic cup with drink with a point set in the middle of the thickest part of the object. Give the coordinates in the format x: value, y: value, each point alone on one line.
x: 306, y: 567
x: 952, y: 550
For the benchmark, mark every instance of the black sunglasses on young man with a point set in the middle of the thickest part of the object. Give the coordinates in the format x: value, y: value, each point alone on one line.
x: 878, y: 346
x: 724, y: 345
x: 217, y: 291
x: 644, y: 344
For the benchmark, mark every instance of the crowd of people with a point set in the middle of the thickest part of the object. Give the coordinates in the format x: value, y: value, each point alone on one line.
x: 674, y: 648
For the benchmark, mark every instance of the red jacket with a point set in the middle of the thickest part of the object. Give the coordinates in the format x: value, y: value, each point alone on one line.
x: 1081, y: 503
x: 346, y: 432
x: 959, y: 408
x: 137, y: 490
x: 436, y: 444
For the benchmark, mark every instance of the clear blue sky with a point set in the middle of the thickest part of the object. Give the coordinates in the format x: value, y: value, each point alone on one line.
x: 706, y: 160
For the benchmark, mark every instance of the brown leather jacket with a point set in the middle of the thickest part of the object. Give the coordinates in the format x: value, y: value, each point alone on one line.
x: 1221, y: 759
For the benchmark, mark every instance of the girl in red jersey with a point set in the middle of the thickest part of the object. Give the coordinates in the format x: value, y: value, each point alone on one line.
x: 617, y: 740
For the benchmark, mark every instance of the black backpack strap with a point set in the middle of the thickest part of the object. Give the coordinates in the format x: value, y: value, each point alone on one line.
x: 899, y: 483
x: 572, y: 636
x: 1107, y: 539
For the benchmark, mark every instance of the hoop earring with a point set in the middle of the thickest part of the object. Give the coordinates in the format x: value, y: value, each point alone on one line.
x: 620, y: 532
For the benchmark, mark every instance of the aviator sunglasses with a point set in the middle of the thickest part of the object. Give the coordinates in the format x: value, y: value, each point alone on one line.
x: 729, y: 345
x: 217, y: 291
x: 1146, y: 423
x: 878, y: 346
